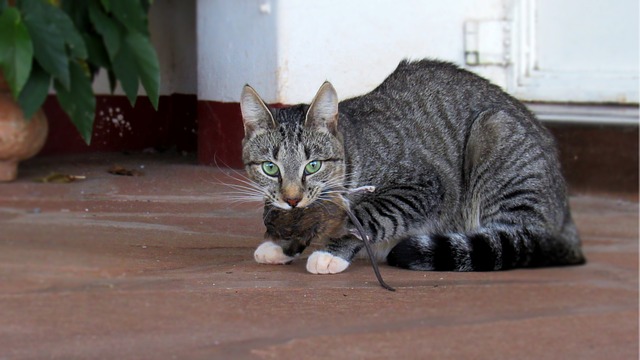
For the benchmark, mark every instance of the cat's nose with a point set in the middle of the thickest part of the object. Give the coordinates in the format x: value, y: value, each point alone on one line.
x: 293, y: 201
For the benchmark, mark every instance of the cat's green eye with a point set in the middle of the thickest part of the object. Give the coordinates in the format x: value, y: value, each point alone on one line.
x: 312, y: 167
x: 270, y: 168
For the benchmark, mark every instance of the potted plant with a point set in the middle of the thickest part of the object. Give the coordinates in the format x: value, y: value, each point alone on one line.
x: 62, y: 44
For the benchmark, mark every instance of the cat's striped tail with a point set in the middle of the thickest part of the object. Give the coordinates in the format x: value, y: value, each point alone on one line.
x: 495, y: 248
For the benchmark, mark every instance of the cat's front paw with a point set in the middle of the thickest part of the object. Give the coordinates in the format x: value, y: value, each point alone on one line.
x: 270, y: 253
x: 322, y: 262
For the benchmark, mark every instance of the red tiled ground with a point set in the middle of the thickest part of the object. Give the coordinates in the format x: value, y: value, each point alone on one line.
x: 160, y: 266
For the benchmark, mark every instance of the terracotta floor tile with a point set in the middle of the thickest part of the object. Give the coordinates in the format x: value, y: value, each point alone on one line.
x: 160, y: 266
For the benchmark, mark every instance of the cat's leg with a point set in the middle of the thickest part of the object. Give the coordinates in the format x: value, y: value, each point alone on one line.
x: 514, y: 210
x: 335, y: 257
x: 278, y: 251
x: 271, y: 253
x: 385, y: 215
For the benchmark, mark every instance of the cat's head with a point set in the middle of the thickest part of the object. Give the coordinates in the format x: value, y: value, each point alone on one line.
x: 295, y: 155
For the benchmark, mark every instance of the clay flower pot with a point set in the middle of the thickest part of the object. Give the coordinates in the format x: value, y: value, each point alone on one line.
x: 20, y: 138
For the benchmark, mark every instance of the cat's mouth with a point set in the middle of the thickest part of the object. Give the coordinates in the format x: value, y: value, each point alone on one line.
x: 293, y: 203
x: 303, y: 201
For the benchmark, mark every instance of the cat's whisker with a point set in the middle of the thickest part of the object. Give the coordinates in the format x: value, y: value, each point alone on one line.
x: 321, y: 202
x: 246, y: 189
x: 251, y: 194
x: 335, y: 191
x: 244, y: 182
x: 341, y: 203
x: 240, y: 195
x: 232, y: 198
x: 230, y: 172
x: 268, y: 212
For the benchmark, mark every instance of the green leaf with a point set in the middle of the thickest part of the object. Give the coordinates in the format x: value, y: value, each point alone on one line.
x: 71, y: 35
x: 35, y: 91
x: 78, y: 11
x: 131, y: 14
x: 97, y: 52
x: 147, y: 65
x: 16, y: 50
x: 125, y: 69
x: 78, y: 102
x: 108, y: 28
x: 113, y: 81
x: 3, y: 5
x: 146, y: 4
x: 48, y: 39
x: 106, y: 4
x: 51, y: 30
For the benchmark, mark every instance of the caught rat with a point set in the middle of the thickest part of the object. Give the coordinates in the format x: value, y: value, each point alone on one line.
x: 295, y: 229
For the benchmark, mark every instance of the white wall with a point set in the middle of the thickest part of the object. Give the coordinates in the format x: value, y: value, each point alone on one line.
x: 287, y: 48
x: 355, y: 44
x: 236, y: 45
x: 173, y: 32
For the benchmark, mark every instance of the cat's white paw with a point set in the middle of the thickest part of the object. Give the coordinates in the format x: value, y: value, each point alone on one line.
x: 270, y: 253
x: 322, y: 262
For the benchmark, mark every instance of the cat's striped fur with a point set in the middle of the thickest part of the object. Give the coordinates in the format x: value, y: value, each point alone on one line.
x: 466, y: 178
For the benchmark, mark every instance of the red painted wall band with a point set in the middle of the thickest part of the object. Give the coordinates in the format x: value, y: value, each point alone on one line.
x: 120, y: 127
x: 215, y: 130
x: 220, y: 133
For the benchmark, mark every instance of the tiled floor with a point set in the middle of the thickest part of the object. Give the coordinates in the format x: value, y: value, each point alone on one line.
x: 160, y: 266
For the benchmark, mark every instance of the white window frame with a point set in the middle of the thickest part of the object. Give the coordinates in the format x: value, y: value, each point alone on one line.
x: 528, y: 83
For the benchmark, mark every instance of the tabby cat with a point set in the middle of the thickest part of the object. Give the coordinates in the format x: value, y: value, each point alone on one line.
x: 459, y: 176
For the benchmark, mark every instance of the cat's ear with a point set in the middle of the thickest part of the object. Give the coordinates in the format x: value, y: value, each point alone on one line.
x: 323, y: 111
x: 255, y: 114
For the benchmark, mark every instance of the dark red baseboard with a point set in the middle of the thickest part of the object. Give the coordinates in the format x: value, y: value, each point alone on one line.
x: 598, y: 158
x: 595, y: 158
x: 119, y: 126
x: 220, y: 133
